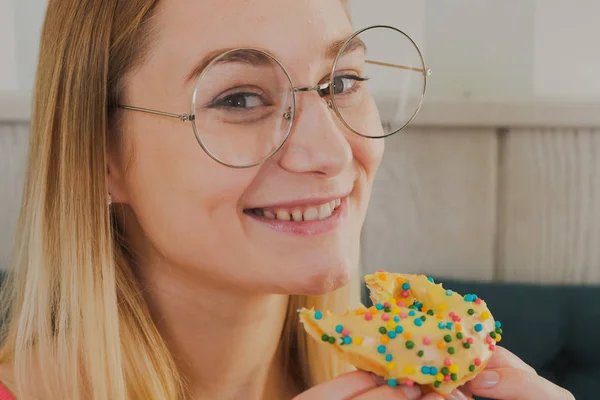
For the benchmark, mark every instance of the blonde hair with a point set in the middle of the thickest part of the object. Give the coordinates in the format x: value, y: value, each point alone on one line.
x: 75, y: 313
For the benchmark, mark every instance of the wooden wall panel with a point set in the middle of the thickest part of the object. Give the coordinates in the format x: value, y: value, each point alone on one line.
x: 13, y: 150
x: 433, y: 205
x: 550, y: 206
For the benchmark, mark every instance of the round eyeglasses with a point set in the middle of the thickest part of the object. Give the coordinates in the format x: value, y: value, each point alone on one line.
x: 244, y: 101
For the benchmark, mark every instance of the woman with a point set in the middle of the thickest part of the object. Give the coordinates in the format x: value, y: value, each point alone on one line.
x: 149, y: 267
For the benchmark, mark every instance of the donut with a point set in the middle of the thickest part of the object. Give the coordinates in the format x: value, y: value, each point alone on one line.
x: 416, y: 332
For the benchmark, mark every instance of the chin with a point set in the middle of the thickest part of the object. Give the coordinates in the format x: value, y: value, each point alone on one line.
x: 325, y: 279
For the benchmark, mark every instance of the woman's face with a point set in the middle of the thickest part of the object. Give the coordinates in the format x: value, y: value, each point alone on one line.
x: 215, y: 223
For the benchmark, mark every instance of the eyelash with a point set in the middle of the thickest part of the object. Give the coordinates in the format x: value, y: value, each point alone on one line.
x: 243, y: 91
x: 353, y: 89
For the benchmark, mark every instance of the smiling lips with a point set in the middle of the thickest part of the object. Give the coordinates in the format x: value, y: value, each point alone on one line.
x: 307, y: 213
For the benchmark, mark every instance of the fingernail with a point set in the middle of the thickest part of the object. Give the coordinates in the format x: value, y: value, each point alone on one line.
x: 411, y: 392
x: 457, y: 395
x: 486, y: 380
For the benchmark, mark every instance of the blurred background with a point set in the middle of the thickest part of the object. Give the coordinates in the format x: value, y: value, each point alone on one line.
x: 495, y: 186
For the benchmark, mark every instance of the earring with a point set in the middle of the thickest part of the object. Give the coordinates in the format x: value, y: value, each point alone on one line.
x: 109, y: 199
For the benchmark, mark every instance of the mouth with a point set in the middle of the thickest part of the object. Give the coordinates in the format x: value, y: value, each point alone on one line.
x: 304, y: 219
x: 297, y: 214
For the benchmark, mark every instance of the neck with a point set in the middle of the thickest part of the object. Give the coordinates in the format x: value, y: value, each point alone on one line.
x: 224, y: 342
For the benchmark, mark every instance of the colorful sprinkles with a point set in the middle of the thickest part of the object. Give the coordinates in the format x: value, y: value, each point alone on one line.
x: 456, y: 337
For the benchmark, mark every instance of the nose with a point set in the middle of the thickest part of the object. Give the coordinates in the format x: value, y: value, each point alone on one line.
x: 317, y: 142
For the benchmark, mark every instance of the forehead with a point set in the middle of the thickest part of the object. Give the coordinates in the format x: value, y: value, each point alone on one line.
x: 295, y: 31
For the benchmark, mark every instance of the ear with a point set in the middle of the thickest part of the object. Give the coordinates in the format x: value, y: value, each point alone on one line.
x: 116, y: 183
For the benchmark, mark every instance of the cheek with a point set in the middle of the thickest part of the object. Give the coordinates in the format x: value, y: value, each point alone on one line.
x: 184, y: 202
x: 368, y: 154
x: 376, y: 149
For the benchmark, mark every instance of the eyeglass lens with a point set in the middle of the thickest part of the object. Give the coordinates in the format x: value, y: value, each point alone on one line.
x: 379, y: 82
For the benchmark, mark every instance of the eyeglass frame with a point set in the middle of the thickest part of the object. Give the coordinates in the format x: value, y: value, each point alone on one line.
x: 291, y: 114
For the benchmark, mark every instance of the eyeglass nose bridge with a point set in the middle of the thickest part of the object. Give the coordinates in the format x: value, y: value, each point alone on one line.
x: 317, y: 88
x: 323, y: 90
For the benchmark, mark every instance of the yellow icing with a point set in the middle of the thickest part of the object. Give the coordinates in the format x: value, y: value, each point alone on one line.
x: 408, y: 340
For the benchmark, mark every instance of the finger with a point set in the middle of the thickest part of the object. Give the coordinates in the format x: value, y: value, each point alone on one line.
x: 432, y: 396
x: 390, y: 393
x: 411, y: 392
x: 502, y: 358
x: 466, y: 391
x: 455, y: 395
x: 343, y: 387
x: 516, y: 384
x: 461, y: 394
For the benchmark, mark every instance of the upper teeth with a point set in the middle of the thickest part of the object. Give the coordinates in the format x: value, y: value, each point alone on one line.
x: 308, y: 214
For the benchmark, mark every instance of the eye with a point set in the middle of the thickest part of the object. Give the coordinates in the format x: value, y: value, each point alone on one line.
x: 240, y: 100
x: 347, y: 83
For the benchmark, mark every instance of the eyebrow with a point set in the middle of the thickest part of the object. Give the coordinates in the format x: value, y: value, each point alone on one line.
x: 333, y: 49
x: 250, y: 57
x: 256, y: 59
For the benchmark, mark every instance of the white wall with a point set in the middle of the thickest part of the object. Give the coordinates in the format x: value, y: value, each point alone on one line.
x: 8, y: 68
x: 479, y: 50
x: 567, y: 49
x: 500, y: 50
x: 20, y: 26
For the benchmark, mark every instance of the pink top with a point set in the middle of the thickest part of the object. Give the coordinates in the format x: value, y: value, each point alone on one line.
x: 5, y: 394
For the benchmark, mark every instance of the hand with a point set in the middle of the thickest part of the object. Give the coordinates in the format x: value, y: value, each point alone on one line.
x: 360, y: 385
x: 507, y: 377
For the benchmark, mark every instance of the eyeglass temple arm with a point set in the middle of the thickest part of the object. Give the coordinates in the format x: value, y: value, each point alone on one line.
x: 427, y: 72
x: 182, y: 117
